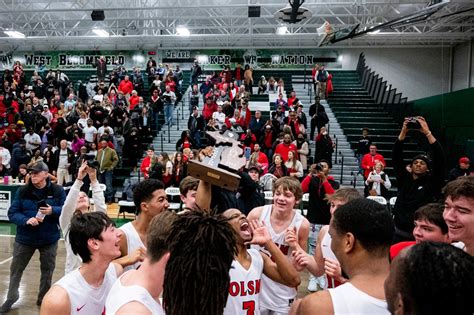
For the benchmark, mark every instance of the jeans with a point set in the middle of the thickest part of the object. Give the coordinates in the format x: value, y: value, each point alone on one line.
x: 169, y: 113
x: 313, y: 236
x: 156, y: 115
x: 196, y: 135
x: 106, y: 178
x: 21, y: 257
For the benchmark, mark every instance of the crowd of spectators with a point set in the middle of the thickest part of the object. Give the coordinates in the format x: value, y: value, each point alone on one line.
x: 349, y: 237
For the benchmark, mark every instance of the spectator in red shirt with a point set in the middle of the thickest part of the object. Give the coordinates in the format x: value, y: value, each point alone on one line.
x: 292, y: 98
x: 369, y: 160
x: 134, y: 100
x: 170, y: 81
x: 238, y: 74
x: 245, y: 114
x: 235, y: 121
x: 126, y: 87
x: 209, y: 108
x: 285, y: 147
x: 259, y: 158
x: 248, y: 139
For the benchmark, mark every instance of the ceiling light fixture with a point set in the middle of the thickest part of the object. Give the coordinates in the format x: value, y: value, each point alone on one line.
x: 281, y: 30
x: 15, y: 34
x: 100, y: 32
x: 182, y: 31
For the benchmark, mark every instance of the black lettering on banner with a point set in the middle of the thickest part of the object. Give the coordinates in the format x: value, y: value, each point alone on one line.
x: 3, y: 196
x: 91, y: 59
x: 62, y: 59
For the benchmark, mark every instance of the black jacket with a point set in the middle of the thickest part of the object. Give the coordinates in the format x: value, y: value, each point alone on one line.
x: 414, y: 193
x: 318, y: 209
x: 457, y: 172
x: 70, y: 160
x: 196, y: 123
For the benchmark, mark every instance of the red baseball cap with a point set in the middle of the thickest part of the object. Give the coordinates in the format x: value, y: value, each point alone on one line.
x: 464, y: 160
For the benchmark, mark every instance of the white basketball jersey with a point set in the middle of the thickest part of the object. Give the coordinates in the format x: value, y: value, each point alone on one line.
x: 84, y: 298
x: 348, y: 300
x: 245, y: 286
x: 326, y: 247
x: 133, y: 242
x: 275, y: 296
x: 120, y: 295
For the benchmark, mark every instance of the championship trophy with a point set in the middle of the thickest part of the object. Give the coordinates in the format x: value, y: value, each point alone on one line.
x: 220, y: 166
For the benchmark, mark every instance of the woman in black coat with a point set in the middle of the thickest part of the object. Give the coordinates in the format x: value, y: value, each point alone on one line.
x: 324, y: 147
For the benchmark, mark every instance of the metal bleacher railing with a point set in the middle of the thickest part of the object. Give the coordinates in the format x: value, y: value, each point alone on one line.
x: 382, y: 92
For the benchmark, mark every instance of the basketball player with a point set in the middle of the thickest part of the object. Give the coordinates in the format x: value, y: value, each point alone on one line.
x: 150, y: 200
x: 324, y: 261
x: 95, y: 239
x: 249, y: 264
x: 279, y: 217
x: 138, y: 291
x: 431, y: 278
x: 361, y: 232
x: 202, y: 249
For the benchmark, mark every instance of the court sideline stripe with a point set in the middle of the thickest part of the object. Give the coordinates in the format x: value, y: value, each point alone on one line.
x: 6, y: 260
x: 11, y: 236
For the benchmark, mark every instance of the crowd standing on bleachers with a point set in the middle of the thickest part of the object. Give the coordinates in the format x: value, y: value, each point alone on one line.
x: 58, y: 130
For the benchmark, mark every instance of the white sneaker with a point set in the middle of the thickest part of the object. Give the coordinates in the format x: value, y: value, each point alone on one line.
x: 322, y: 282
x: 313, y: 284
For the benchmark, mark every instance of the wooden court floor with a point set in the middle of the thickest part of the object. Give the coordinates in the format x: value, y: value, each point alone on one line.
x: 29, y: 286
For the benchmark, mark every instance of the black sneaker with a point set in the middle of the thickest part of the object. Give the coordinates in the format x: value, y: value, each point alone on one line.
x: 7, y: 306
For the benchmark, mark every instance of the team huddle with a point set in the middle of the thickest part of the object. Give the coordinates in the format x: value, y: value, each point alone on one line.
x: 200, y: 262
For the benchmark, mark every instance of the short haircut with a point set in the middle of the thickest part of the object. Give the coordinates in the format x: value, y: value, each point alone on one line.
x: 433, y: 213
x: 197, y: 279
x: 463, y: 186
x: 369, y: 222
x: 158, y: 231
x: 291, y: 184
x: 86, y: 226
x: 344, y: 194
x: 436, y: 278
x: 143, y: 192
x: 188, y: 183
x: 324, y: 161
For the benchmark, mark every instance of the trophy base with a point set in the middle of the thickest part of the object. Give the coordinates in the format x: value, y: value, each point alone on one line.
x: 213, y: 175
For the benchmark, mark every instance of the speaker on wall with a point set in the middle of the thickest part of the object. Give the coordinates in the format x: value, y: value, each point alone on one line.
x: 98, y: 15
x: 254, y: 11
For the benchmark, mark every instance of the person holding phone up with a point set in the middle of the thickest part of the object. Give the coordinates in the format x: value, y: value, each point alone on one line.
x: 35, y: 210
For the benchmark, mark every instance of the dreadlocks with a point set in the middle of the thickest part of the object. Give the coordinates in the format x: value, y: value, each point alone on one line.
x: 197, y: 274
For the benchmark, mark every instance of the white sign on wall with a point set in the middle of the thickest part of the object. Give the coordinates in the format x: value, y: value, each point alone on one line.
x: 5, y: 202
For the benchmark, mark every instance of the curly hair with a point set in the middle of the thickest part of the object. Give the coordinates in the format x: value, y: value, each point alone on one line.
x: 144, y: 191
x: 197, y: 279
x: 436, y: 278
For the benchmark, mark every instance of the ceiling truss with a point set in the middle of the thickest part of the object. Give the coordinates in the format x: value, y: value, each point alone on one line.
x: 148, y: 24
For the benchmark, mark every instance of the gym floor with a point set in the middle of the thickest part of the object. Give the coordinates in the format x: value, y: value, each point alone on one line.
x: 26, y: 305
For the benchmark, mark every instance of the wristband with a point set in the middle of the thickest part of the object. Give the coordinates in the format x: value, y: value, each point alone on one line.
x: 428, y: 134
